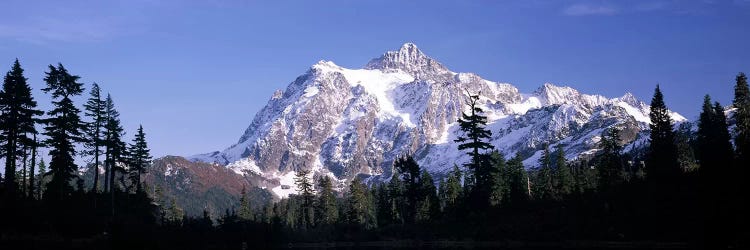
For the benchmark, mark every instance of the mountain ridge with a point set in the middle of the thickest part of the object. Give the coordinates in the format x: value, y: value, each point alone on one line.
x: 353, y: 122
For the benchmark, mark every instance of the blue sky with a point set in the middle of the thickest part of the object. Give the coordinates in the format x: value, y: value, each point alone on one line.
x: 195, y: 72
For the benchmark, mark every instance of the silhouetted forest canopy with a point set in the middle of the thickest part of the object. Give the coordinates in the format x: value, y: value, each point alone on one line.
x: 688, y: 188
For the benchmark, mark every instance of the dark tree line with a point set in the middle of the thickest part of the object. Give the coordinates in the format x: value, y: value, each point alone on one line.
x: 51, y: 198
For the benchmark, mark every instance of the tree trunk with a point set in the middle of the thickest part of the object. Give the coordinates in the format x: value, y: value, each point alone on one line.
x: 106, y: 171
x: 10, y: 166
x: 33, y: 165
x: 23, y: 173
x: 95, y: 188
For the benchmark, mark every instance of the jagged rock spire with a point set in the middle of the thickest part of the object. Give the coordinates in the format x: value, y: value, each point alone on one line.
x: 409, y: 59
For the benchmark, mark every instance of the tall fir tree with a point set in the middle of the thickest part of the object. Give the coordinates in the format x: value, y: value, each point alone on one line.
x: 41, y: 182
x: 518, y: 182
x: 452, y: 192
x: 661, y: 162
x: 684, y: 143
x: 499, y: 187
x: 565, y: 183
x: 306, y: 192
x: 475, y: 139
x: 139, y: 158
x: 741, y: 117
x: 715, y: 151
x: 326, y: 210
x: 428, y: 206
x: 359, y: 205
x: 17, y: 121
x: 409, y: 173
x: 544, y: 184
x: 114, y: 148
x: 95, y: 109
x: 396, y: 201
x: 610, y: 165
x: 63, y: 129
x: 245, y: 212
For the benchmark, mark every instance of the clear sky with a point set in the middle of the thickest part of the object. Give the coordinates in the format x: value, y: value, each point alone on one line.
x: 194, y: 73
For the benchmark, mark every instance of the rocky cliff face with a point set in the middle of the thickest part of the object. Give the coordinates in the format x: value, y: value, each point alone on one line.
x: 347, y: 122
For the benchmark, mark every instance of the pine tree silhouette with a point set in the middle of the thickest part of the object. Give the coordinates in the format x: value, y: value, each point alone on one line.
x: 63, y: 129
x: 17, y: 119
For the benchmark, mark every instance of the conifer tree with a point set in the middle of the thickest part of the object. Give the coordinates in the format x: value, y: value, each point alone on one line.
x: 661, y: 163
x: 409, y: 173
x: 428, y: 206
x: 114, y: 147
x: 63, y: 129
x: 518, y: 181
x: 245, y: 213
x: 358, y: 205
x: 610, y: 165
x: 306, y: 192
x: 326, y: 210
x: 452, y: 193
x: 475, y: 139
x: 563, y: 174
x: 544, y: 184
x: 41, y: 183
x: 684, y: 140
x: 382, y: 204
x: 714, y: 148
x: 396, y: 202
x: 499, y: 173
x: 140, y: 158
x: 742, y: 120
x: 17, y: 119
x: 95, y: 108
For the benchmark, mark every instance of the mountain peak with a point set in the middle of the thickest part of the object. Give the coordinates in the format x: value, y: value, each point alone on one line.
x: 408, y: 58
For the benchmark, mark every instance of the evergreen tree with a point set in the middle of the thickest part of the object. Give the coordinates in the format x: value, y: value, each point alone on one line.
x: 17, y: 119
x: 452, y: 193
x: 326, y: 210
x: 409, y: 173
x: 395, y: 200
x: 382, y: 204
x: 563, y: 174
x: 114, y: 147
x: 610, y: 164
x: 428, y: 205
x: 174, y: 213
x: 63, y: 129
x: 306, y: 192
x: 518, y: 181
x: 544, y: 185
x: 41, y: 183
x: 95, y: 108
x: 499, y: 173
x: 742, y: 126
x: 474, y: 139
x: 358, y: 205
x: 245, y: 212
x: 684, y: 140
x: 661, y: 163
x: 140, y: 158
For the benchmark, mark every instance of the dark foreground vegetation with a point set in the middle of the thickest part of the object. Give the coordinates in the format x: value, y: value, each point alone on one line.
x: 687, y: 189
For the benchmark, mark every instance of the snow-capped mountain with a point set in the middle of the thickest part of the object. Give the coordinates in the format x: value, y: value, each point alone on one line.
x: 345, y: 122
